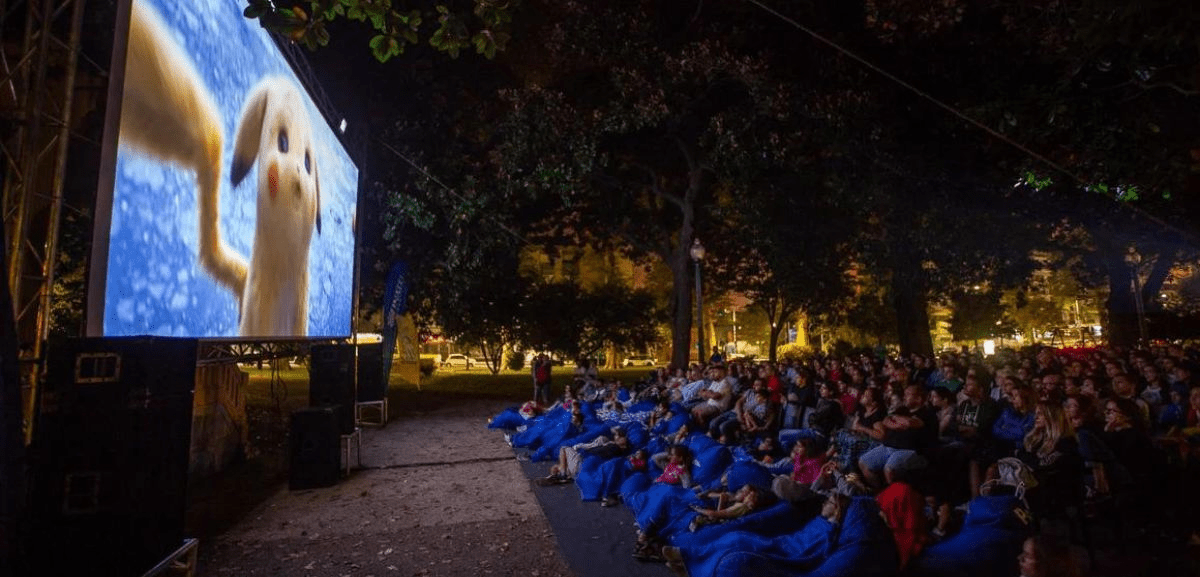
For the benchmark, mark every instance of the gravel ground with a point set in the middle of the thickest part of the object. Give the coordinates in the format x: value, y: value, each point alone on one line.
x: 437, y: 494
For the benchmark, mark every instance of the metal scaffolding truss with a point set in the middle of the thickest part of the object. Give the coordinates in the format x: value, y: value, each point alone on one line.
x: 295, y: 54
x: 39, y: 92
x: 38, y: 71
x: 217, y: 352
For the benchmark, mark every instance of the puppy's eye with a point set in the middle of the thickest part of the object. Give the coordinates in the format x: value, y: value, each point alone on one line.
x: 307, y: 162
x: 283, y: 143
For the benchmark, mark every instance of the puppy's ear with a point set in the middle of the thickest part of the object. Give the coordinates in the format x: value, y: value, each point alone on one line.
x: 249, y: 133
x: 317, y: 188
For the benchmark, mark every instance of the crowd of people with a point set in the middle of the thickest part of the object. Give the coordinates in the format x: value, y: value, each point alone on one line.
x: 953, y: 465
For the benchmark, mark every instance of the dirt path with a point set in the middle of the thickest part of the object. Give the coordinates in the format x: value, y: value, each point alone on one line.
x: 438, y: 494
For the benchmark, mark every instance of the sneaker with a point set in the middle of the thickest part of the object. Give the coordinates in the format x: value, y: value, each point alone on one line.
x: 609, y: 502
x: 562, y: 479
x: 508, y: 439
x: 678, y: 568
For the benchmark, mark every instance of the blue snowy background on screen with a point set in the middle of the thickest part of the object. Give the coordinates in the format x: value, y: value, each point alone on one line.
x: 155, y: 284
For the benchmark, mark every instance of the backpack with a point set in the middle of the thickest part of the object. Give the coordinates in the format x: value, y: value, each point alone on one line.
x: 1014, y: 473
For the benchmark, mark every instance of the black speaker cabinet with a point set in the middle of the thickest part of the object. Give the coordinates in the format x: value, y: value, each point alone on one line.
x: 109, y: 457
x: 315, y: 454
x: 372, y: 386
x: 331, y: 382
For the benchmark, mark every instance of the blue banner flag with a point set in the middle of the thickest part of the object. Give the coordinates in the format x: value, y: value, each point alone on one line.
x: 395, y: 302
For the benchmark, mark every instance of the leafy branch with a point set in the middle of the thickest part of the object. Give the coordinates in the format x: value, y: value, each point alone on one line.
x: 486, y: 27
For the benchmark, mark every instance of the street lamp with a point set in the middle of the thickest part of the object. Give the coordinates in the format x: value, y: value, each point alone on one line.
x: 697, y: 252
x: 1133, y: 259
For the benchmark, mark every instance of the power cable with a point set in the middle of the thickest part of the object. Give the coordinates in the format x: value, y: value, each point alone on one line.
x: 452, y: 192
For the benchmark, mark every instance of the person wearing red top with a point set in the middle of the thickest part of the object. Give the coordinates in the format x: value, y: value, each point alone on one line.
x: 835, y: 371
x: 774, y: 384
x: 903, y: 509
x: 848, y: 396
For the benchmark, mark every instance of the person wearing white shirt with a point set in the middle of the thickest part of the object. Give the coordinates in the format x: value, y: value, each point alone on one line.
x: 718, y: 397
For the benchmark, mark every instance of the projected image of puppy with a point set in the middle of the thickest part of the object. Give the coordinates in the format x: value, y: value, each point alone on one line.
x: 168, y: 114
x: 275, y: 133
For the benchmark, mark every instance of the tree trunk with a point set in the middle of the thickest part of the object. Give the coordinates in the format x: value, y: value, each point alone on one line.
x: 1122, y: 310
x: 1154, y: 280
x: 681, y: 327
x: 776, y: 328
x: 912, y: 314
x: 611, y: 361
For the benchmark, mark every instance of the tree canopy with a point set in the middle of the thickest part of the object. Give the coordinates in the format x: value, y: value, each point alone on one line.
x: 640, y: 125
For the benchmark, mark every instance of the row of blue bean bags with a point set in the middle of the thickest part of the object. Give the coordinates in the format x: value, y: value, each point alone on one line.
x: 545, y: 434
x: 987, y: 545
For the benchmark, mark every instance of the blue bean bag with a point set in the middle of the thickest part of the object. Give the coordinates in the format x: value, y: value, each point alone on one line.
x: 987, y: 546
x: 788, y: 438
x: 550, y: 445
x: 778, y: 519
x: 745, y: 473
x: 709, y: 464
x: 659, y: 504
x: 509, y: 418
x: 861, y: 547
x: 552, y: 424
x: 679, y: 418
x: 599, y: 477
x: 635, y: 484
x: 698, y: 443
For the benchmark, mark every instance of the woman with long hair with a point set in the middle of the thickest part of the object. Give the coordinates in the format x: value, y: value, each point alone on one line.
x: 1050, y: 436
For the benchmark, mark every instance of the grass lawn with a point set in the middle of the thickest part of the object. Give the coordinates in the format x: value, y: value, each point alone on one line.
x: 288, y: 389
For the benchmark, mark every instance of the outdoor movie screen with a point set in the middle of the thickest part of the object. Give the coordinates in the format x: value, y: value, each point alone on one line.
x: 233, y: 202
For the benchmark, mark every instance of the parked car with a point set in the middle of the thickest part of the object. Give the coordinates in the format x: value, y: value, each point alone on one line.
x: 458, y: 361
x: 639, y: 361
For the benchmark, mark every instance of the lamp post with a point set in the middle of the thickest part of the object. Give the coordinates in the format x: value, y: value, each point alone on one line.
x: 697, y: 252
x: 1133, y: 259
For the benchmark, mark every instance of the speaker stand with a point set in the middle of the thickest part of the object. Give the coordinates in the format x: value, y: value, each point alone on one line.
x: 352, y: 440
x: 381, y: 406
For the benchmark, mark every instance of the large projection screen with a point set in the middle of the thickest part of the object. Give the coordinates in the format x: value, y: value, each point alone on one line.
x: 217, y: 134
